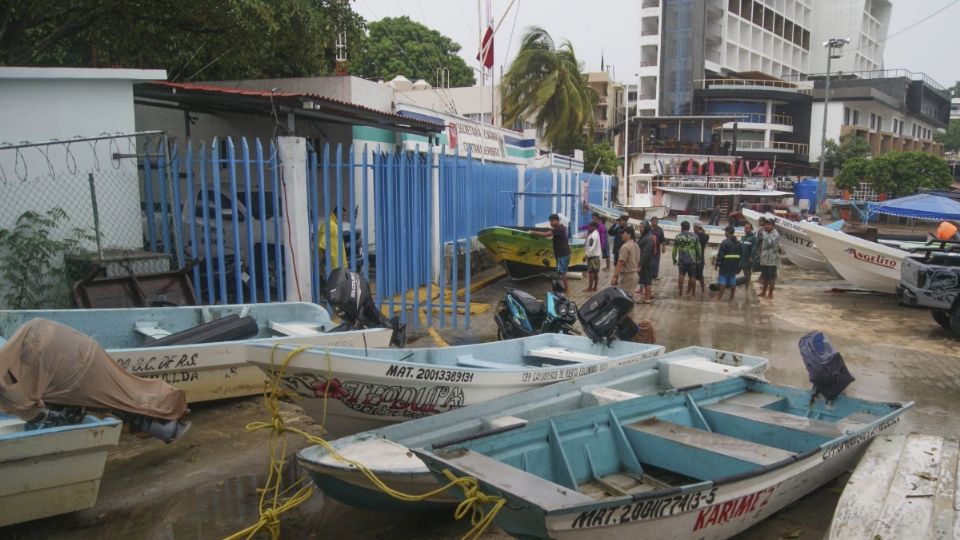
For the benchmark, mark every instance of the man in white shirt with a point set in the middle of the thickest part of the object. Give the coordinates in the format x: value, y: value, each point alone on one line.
x: 593, y: 254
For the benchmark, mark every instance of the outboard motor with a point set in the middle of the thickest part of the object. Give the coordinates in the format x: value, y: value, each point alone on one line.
x: 828, y: 372
x: 605, y: 316
x: 349, y: 295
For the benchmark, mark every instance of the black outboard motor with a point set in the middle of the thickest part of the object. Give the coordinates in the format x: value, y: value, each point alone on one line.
x: 605, y: 316
x: 349, y: 295
x: 828, y: 372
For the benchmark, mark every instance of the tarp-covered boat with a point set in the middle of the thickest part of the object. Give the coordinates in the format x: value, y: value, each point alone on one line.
x: 53, y: 470
x: 523, y: 254
x: 355, y: 390
x: 174, y: 343
x: 707, y: 462
x: 385, y: 451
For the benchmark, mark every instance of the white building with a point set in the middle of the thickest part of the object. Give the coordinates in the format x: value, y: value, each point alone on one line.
x: 865, y: 22
x: 40, y: 105
x: 954, y: 109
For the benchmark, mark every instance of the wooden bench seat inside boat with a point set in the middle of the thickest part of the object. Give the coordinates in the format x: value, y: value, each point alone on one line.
x: 781, y: 419
x: 755, y: 399
x: 151, y: 329
x: 604, y: 395
x: 534, y: 489
x: 470, y: 361
x: 566, y: 355
x: 698, y: 453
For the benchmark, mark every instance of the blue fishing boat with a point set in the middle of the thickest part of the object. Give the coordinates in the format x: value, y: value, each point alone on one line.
x: 197, y: 348
x: 385, y: 451
x: 707, y: 462
x: 52, y: 470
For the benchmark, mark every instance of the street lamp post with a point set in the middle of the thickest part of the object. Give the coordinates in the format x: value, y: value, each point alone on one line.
x: 831, y: 45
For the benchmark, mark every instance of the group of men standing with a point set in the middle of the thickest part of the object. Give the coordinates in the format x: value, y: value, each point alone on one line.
x: 637, y: 251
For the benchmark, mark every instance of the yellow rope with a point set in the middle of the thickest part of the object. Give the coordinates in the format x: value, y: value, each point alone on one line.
x: 273, y: 502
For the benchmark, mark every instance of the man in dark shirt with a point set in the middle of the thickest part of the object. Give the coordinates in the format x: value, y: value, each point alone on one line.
x: 614, y: 231
x: 728, y: 263
x: 561, y: 247
x: 704, y: 239
x: 648, y: 244
x: 659, y: 249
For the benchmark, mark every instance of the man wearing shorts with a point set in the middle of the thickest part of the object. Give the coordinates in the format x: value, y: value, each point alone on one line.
x: 592, y: 256
x: 561, y: 247
x: 686, y: 255
x: 769, y: 259
x: 728, y: 263
x: 625, y: 272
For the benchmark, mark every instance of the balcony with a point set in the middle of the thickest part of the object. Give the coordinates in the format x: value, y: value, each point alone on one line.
x: 650, y: 4
x: 774, y: 147
x: 649, y: 63
x: 752, y: 84
x: 655, y: 31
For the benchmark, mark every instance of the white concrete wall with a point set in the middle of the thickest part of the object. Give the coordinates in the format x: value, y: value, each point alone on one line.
x: 834, y: 122
x: 38, y: 104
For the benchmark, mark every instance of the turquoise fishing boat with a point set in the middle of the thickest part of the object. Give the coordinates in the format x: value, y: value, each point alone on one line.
x: 385, y: 451
x: 706, y: 462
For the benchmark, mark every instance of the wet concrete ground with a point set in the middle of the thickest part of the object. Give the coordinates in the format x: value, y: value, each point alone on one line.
x: 205, y: 485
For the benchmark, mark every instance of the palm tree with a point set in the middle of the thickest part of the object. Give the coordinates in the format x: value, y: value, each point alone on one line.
x: 546, y: 81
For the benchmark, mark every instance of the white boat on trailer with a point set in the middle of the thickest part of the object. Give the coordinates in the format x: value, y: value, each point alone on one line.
x: 708, y: 462
x: 135, y: 338
x: 798, y: 248
x: 385, y: 451
x: 368, y: 389
x: 867, y: 265
x: 905, y: 486
x: 53, y: 470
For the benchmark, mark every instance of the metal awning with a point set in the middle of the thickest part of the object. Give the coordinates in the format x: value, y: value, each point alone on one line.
x: 287, y: 105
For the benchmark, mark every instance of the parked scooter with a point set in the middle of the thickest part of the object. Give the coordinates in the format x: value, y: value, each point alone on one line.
x: 519, y: 314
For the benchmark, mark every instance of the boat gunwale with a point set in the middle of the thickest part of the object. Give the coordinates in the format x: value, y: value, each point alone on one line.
x: 96, y: 423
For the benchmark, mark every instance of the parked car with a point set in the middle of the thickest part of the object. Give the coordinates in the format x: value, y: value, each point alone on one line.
x: 933, y: 281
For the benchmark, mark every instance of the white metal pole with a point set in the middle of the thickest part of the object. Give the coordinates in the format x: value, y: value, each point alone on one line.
x: 821, y: 188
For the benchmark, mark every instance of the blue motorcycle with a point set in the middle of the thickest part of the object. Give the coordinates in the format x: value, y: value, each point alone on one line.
x: 519, y: 314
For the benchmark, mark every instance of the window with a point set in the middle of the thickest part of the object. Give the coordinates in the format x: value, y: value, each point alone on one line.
x: 846, y: 116
x: 879, y: 123
x: 856, y: 117
x: 873, y: 121
x: 894, y: 125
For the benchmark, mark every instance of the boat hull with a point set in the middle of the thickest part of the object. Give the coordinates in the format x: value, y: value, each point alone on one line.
x: 381, y: 452
x: 348, y: 392
x: 53, y: 471
x: 904, y: 487
x: 522, y: 254
x: 867, y: 265
x: 672, y: 228
x: 207, y: 371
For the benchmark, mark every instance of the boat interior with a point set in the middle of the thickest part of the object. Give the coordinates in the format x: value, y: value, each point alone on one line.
x: 130, y: 328
x: 544, y: 351
x: 635, y: 444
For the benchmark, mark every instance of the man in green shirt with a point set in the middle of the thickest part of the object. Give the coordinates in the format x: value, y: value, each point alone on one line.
x: 687, y: 254
x: 748, y: 244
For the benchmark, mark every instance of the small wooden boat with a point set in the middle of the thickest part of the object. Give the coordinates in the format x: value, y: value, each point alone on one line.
x: 385, y: 451
x: 707, y: 462
x: 523, y: 254
x: 175, y: 343
x: 867, y: 265
x: 54, y: 470
x: 361, y: 390
x: 904, y: 487
x: 797, y: 246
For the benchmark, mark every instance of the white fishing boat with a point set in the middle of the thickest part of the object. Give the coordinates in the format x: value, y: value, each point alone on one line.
x: 797, y: 246
x: 54, y: 470
x: 353, y: 390
x: 385, y: 451
x: 198, y: 348
x: 904, y: 487
x: 867, y: 265
x: 707, y: 462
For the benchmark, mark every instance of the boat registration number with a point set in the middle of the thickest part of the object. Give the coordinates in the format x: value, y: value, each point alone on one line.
x: 429, y: 374
x: 646, y: 509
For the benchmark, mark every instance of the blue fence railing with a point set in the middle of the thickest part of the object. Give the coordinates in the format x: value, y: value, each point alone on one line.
x: 217, y: 204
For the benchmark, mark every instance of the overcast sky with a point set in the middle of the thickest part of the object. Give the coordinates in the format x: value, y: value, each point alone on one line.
x: 610, y: 28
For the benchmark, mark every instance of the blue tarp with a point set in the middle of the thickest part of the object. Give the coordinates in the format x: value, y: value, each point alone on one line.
x: 921, y: 206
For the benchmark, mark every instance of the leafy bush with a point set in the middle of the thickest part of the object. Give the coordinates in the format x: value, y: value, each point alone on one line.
x: 32, y: 261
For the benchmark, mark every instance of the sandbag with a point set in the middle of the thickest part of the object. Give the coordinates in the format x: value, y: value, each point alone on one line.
x: 828, y: 372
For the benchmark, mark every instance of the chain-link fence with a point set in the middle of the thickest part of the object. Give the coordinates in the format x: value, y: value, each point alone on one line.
x: 80, y: 197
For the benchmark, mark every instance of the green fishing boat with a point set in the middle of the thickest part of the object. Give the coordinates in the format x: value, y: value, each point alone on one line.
x: 524, y: 254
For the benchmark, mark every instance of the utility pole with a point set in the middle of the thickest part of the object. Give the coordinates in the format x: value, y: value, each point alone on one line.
x: 831, y: 45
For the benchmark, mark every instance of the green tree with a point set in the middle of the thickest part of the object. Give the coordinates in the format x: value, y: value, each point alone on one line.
x: 950, y: 139
x: 399, y: 46
x: 851, y: 146
x: 896, y: 173
x: 599, y: 157
x: 215, y: 39
x: 547, y: 82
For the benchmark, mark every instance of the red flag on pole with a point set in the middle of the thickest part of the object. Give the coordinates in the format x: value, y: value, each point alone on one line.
x: 710, y: 168
x: 740, y: 168
x: 486, y: 49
